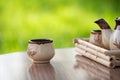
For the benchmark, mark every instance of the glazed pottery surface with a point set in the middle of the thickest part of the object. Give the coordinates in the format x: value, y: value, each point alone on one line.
x: 106, y: 33
x: 115, y: 40
x: 115, y: 37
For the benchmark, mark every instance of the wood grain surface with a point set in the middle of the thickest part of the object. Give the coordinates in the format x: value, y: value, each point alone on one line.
x: 65, y: 65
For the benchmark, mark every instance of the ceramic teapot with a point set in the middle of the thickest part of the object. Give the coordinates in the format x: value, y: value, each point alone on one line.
x: 106, y: 32
x: 115, y: 37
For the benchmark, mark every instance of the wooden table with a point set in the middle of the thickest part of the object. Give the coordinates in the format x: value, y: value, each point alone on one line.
x: 66, y: 65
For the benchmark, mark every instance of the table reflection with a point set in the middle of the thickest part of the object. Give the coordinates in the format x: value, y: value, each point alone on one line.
x: 96, y: 70
x: 41, y: 72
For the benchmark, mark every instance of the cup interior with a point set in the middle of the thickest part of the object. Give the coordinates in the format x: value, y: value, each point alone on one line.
x: 96, y: 31
x: 40, y: 41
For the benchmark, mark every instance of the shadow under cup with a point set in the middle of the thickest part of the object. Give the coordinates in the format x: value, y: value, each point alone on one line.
x: 41, y: 72
x: 40, y: 50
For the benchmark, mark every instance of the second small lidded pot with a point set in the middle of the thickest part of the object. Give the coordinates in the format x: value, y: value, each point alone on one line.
x: 40, y: 50
x: 96, y: 38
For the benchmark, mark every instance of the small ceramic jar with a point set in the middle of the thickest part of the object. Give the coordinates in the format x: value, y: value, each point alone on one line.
x: 40, y: 50
x: 96, y: 38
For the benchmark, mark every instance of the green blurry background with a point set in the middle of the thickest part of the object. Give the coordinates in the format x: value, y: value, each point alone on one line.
x: 60, y: 20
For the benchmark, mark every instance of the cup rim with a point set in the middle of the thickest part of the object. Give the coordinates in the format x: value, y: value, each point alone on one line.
x: 40, y: 41
x: 96, y: 31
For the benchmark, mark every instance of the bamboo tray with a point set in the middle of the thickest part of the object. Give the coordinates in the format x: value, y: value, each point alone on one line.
x: 109, y: 58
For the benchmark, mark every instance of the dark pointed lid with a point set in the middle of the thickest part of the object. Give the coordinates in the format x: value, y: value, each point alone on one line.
x: 102, y: 24
x: 117, y: 21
